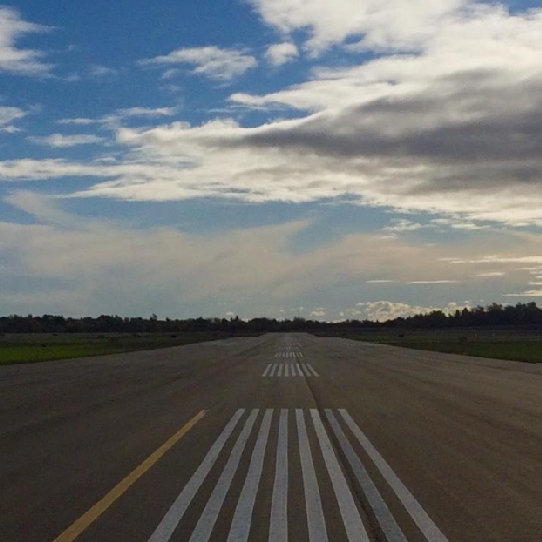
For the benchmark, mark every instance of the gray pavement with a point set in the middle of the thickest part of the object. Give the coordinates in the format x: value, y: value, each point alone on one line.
x: 277, y: 438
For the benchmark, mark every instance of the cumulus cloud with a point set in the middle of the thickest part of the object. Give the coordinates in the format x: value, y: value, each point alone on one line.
x: 61, y: 141
x: 451, y: 127
x: 12, y: 58
x: 211, y: 62
x: 281, y: 53
x: 381, y: 311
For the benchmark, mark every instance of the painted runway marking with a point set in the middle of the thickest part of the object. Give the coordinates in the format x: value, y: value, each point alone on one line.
x: 387, y: 522
x: 72, y: 532
x: 277, y: 370
x: 289, y: 354
x: 166, y: 527
x: 278, y: 529
x: 242, y: 518
x: 349, y: 512
x: 316, y: 520
x: 413, y: 507
x: 268, y: 457
x: 207, y: 520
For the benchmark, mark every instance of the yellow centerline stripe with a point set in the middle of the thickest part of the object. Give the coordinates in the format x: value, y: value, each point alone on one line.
x: 72, y: 532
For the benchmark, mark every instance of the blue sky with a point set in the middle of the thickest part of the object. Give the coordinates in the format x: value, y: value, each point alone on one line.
x: 329, y: 159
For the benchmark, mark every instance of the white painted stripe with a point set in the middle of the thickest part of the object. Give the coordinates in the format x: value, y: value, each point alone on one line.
x: 280, y: 370
x: 305, y: 370
x: 387, y: 522
x: 272, y: 373
x: 316, y: 521
x: 355, y: 531
x: 276, y: 354
x: 267, y: 370
x: 278, y: 529
x: 287, y: 370
x: 174, y: 515
x: 299, y: 371
x: 208, y: 518
x: 300, y: 354
x: 426, y: 525
x: 309, y: 365
x: 242, y: 519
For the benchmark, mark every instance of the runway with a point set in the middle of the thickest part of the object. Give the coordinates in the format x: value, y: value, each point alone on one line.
x: 283, y: 437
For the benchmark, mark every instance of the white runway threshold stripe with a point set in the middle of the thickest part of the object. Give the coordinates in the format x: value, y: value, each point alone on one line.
x: 274, y: 454
x: 289, y: 369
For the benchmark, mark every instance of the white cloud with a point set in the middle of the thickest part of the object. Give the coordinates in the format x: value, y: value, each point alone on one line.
x: 78, y: 121
x: 492, y: 274
x: 381, y: 311
x: 13, y: 59
x: 453, y: 128
x: 401, y: 224
x: 7, y: 116
x: 212, y: 62
x: 390, y: 24
x: 433, y: 282
x: 317, y: 313
x: 146, y: 111
x: 98, y: 70
x: 527, y: 293
x: 281, y: 53
x: 61, y: 141
x: 380, y: 281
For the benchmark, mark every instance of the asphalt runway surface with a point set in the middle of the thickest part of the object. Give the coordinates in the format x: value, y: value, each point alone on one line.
x: 284, y: 437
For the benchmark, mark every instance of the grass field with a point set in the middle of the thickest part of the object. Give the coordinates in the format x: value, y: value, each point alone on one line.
x: 527, y: 351
x: 33, y: 348
x: 516, y: 345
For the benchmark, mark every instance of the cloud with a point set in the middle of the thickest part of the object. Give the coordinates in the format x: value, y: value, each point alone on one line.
x: 281, y: 53
x: 401, y: 224
x: 391, y: 24
x: 380, y: 281
x: 77, y: 121
x: 381, y: 311
x: 115, y: 119
x: 492, y: 274
x: 211, y: 62
x: 13, y: 59
x: 61, y: 141
x: 98, y: 70
x: 527, y: 293
x: 317, y: 313
x: 146, y: 111
x: 7, y: 116
x: 433, y: 282
x: 452, y: 128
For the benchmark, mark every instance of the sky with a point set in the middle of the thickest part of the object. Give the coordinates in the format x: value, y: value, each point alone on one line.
x: 326, y: 159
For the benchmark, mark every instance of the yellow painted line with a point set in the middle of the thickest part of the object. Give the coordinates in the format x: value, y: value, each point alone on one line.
x: 72, y: 532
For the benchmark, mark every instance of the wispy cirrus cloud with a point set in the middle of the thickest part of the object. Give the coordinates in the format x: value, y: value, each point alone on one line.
x: 62, y: 141
x: 12, y: 58
x: 212, y: 62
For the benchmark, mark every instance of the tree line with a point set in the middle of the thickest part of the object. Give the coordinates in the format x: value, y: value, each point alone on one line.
x: 494, y: 315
